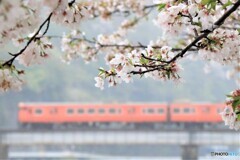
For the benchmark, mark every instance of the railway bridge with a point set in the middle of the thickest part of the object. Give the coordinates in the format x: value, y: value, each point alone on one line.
x: 188, y: 140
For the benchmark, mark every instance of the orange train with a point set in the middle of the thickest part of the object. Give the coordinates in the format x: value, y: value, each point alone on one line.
x: 67, y: 113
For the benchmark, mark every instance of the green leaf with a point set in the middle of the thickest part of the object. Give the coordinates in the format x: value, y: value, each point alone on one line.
x: 238, y: 30
x: 211, y: 4
x: 161, y: 6
x: 227, y: 4
x: 101, y: 69
x: 229, y: 96
x: 237, y: 98
x: 130, y: 61
x: 159, y: 57
x: 197, y: 24
x: 204, y: 2
x: 143, y: 60
x: 168, y: 74
x: 235, y: 103
x: 238, y: 117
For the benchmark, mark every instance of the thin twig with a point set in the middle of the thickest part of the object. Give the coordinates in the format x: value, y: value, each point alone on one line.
x: 10, y: 61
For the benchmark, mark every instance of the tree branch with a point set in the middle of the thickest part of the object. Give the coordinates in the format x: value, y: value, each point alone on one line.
x: 206, y: 33
x: 10, y: 61
x: 217, y: 24
x: 132, y: 46
x: 127, y: 12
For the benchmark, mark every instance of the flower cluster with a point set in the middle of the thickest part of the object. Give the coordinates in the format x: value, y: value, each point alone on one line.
x: 15, y: 25
x: 10, y: 79
x: 170, y: 20
x: 105, y: 8
x: 74, y: 46
x: 150, y: 62
x: 231, y: 114
x: 68, y: 14
x: 222, y: 46
x: 192, y: 16
x: 36, y: 52
x: 206, y: 26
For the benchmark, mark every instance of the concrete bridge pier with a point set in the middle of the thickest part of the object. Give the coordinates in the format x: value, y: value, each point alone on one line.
x: 189, y: 152
x: 3, y: 152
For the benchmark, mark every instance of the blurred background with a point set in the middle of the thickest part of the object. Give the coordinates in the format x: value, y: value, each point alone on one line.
x: 54, y: 81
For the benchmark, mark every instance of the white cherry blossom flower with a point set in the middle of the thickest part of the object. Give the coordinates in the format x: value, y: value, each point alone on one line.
x: 99, y: 82
x: 118, y: 59
x: 9, y: 80
x: 36, y: 52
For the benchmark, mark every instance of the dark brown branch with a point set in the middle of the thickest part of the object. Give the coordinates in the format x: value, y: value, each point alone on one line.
x: 138, y: 46
x: 128, y: 12
x: 151, y: 59
x: 217, y: 24
x: 48, y: 24
x: 220, y: 2
x: 150, y: 6
x: 34, y: 37
x: 206, y: 33
x: 71, y: 3
x: 146, y: 71
x: 9, y: 62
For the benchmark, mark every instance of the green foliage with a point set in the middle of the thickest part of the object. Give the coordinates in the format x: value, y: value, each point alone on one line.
x: 56, y: 82
x: 161, y: 6
x: 236, y: 102
x: 144, y: 61
x: 238, y: 30
x: 211, y: 4
x: 168, y: 74
x: 227, y: 4
x: 238, y: 117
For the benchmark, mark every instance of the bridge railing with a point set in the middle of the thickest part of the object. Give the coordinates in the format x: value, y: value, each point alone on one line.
x: 121, y: 137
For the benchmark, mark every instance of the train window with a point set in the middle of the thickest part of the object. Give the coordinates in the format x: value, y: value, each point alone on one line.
x: 101, y: 110
x: 70, y: 111
x: 186, y: 110
x: 112, y: 110
x: 91, y: 111
x: 160, y: 110
x: 176, y: 110
x: 38, y: 111
x: 149, y: 111
x: 80, y: 111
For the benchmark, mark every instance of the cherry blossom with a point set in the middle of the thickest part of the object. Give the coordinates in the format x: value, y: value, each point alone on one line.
x: 10, y: 80
x: 222, y: 46
x: 231, y: 114
x: 73, y: 47
x: 230, y: 118
x: 99, y: 82
x: 36, y: 52
x: 210, y: 29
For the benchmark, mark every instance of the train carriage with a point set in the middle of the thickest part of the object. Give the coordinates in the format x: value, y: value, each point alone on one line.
x: 198, y: 113
x: 69, y: 114
x: 50, y: 113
